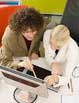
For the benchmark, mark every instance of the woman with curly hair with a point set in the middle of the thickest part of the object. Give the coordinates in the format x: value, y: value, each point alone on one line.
x: 21, y: 37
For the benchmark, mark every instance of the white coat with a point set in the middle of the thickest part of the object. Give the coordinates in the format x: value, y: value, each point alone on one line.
x: 67, y: 56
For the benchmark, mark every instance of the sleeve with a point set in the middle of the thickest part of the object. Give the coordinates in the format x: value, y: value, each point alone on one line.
x: 6, y: 54
x: 49, y: 53
x: 71, y: 63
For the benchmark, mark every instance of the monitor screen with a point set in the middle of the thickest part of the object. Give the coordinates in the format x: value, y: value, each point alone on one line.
x: 27, y: 80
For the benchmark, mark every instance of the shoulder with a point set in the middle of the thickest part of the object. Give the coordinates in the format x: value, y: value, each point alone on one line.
x: 47, y: 34
x: 8, y: 35
x: 46, y: 38
x: 72, y: 43
x: 73, y: 47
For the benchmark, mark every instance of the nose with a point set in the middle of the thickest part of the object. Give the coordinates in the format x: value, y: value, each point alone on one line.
x: 32, y: 34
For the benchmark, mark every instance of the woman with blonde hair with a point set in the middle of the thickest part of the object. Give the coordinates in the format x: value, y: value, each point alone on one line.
x: 61, y: 53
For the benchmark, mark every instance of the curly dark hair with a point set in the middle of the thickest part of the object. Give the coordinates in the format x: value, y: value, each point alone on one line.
x: 26, y: 18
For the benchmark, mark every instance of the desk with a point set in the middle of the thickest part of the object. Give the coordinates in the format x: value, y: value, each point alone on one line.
x: 6, y: 91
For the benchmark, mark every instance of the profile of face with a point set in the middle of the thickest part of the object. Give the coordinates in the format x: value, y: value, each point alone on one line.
x: 29, y: 34
x: 54, y: 45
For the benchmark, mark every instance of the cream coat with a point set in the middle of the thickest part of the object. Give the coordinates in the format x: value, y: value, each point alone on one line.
x: 67, y: 56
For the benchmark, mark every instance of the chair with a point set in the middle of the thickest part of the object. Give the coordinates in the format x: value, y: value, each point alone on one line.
x: 5, y: 13
x: 71, y: 18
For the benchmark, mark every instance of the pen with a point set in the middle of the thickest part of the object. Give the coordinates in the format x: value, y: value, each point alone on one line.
x: 34, y: 73
x: 31, y: 67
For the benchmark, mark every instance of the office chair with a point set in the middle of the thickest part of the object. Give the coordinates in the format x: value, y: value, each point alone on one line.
x: 71, y: 18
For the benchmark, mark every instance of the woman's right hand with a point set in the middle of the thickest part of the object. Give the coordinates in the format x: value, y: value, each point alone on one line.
x: 26, y: 64
x: 51, y: 80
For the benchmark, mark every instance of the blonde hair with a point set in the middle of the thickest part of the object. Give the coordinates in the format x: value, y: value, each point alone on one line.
x: 60, y: 34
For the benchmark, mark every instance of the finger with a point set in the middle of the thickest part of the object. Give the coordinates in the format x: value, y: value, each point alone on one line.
x: 47, y: 81
x: 28, y: 63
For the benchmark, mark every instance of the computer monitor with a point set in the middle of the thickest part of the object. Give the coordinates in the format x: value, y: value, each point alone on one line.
x: 27, y: 81
x: 24, y: 81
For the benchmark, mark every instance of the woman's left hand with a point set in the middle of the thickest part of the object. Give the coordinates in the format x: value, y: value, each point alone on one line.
x: 26, y: 64
x: 34, y: 56
x: 51, y: 80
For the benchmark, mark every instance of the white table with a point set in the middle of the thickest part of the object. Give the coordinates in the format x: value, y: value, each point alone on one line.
x: 6, y: 91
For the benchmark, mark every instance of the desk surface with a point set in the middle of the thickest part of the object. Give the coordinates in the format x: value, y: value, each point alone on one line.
x: 6, y: 91
x: 41, y: 62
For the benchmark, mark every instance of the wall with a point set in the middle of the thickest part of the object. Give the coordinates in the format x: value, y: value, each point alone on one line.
x: 47, y: 6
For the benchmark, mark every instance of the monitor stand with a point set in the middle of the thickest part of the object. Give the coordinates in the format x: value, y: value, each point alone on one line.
x: 21, y: 96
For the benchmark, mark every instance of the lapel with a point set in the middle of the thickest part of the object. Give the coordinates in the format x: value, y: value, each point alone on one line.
x: 61, y: 56
x: 31, y: 47
x: 21, y: 42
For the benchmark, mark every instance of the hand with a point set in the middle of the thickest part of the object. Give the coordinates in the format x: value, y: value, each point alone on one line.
x: 26, y: 64
x: 55, y: 68
x: 51, y: 80
x: 34, y: 56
